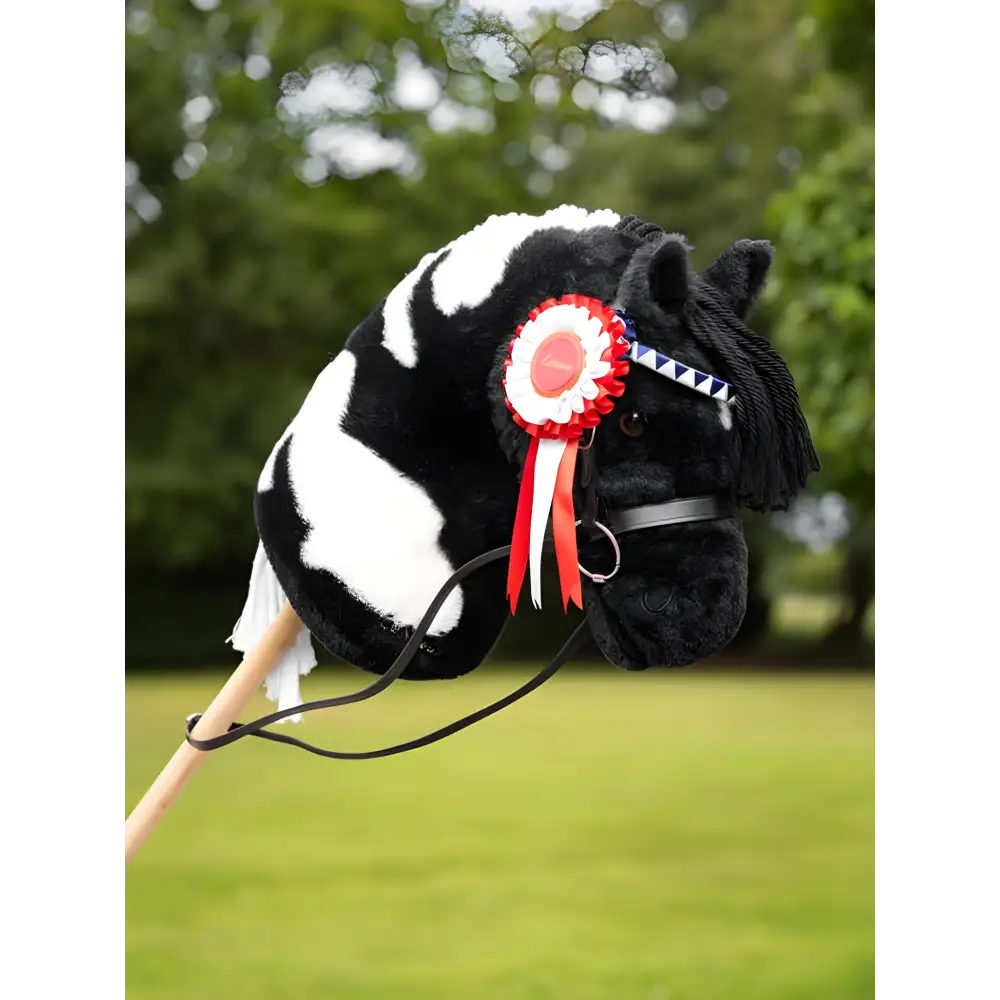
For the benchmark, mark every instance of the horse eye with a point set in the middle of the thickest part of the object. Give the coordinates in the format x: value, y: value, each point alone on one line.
x: 633, y: 424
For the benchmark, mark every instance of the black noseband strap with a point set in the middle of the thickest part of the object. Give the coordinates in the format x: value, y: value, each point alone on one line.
x: 655, y: 515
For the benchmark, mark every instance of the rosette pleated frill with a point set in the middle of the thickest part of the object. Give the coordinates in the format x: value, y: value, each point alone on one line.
x: 562, y: 374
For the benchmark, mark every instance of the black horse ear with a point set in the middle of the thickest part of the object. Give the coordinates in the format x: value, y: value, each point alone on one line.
x: 739, y: 273
x: 669, y: 282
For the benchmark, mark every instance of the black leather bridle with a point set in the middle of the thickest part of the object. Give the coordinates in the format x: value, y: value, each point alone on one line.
x: 611, y: 523
x: 671, y: 512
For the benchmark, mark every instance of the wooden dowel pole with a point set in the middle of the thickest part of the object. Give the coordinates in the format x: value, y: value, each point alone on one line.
x: 216, y: 720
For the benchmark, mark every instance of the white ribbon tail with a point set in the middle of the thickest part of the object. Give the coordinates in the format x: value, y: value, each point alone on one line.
x: 550, y: 453
x: 265, y: 599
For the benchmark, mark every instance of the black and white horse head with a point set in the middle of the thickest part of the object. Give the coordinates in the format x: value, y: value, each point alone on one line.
x: 403, y: 462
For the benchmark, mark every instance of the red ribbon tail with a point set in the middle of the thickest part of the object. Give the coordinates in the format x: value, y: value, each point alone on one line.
x: 522, y: 528
x: 564, y: 529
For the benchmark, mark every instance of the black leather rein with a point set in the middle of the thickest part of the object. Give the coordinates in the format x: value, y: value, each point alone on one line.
x: 629, y: 519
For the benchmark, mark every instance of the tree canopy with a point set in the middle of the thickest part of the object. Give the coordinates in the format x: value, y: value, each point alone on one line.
x: 289, y: 162
x: 823, y: 286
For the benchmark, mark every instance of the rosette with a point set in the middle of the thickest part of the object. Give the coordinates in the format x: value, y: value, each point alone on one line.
x: 562, y: 374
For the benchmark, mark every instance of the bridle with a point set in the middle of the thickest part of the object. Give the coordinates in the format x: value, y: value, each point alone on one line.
x: 685, y: 510
x: 627, y: 519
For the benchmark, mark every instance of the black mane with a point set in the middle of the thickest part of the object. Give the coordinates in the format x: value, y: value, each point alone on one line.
x: 774, y: 450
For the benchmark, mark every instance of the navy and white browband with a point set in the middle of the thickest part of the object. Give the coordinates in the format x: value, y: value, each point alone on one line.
x: 707, y: 385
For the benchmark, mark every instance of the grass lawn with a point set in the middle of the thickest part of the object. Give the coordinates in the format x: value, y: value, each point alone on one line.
x: 616, y: 836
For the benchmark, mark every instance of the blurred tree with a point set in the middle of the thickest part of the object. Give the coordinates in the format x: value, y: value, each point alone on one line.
x: 711, y: 173
x: 735, y: 73
x: 242, y: 279
x: 265, y: 219
x: 823, y: 287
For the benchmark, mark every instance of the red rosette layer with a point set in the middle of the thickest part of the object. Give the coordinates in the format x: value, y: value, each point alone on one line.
x: 564, y: 367
x: 562, y: 374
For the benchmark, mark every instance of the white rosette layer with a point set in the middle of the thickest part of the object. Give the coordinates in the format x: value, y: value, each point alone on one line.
x: 527, y: 402
x: 535, y: 408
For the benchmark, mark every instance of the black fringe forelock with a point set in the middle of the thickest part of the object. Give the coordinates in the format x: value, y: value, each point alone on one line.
x: 775, y: 453
x: 775, y: 450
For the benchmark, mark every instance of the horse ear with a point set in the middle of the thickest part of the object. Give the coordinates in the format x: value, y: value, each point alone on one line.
x: 739, y: 273
x: 669, y: 281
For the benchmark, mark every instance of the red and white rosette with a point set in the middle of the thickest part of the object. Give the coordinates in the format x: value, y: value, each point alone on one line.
x: 561, y: 376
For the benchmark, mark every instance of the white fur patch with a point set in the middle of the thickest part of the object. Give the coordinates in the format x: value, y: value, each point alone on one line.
x: 369, y: 525
x: 266, y: 480
x: 397, y: 326
x: 474, y: 268
x: 478, y: 259
x: 726, y: 416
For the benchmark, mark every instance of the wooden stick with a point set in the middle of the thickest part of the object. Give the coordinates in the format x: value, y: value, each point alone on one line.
x: 216, y: 720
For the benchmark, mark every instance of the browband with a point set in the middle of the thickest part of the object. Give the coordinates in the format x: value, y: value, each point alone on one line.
x: 663, y: 364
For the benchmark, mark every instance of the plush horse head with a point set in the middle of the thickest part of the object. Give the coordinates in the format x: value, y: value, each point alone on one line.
x: 405, y: 460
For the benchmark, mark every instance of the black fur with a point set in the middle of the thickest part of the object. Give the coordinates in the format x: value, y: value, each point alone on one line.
x: 667, y: 273
x: 681, y: 592
x: 739, y: 273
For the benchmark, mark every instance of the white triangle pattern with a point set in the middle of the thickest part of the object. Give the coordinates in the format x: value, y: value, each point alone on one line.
x: 664, y: 365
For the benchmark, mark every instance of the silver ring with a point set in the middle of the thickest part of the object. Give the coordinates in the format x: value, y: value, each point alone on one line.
x: 600, y: 577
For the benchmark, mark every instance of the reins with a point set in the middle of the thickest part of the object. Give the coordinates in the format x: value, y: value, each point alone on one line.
x: 671, y: 512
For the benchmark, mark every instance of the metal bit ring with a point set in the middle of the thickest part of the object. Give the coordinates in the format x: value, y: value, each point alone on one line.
x: 601, y: 577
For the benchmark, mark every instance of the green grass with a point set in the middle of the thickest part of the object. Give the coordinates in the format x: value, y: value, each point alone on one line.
x: 614, y: 836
